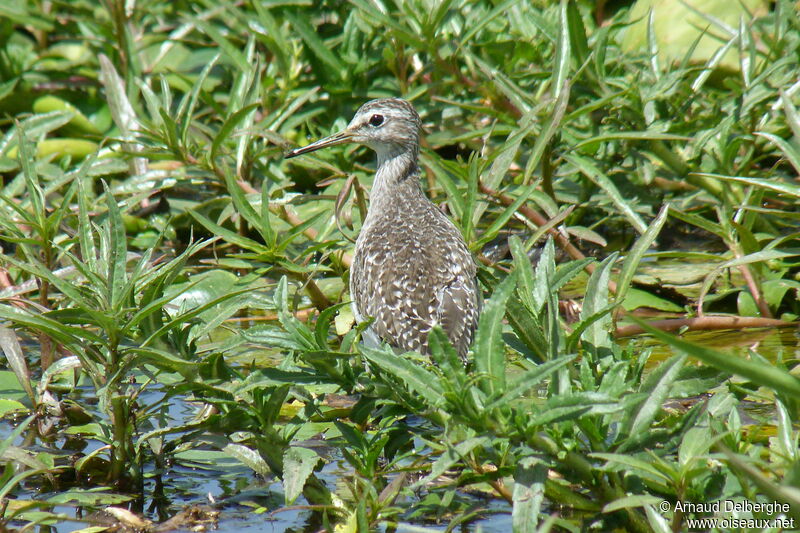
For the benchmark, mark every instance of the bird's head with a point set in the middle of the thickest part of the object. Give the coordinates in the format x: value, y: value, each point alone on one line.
x: 387, y: 125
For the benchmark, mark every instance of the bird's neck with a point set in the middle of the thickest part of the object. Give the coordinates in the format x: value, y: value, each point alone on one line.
x: 397, y: 174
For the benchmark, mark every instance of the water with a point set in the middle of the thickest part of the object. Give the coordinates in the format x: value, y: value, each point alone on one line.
x: 774, y: 344
x: 246, y: 502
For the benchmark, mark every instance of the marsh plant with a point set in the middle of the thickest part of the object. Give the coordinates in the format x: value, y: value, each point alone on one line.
x: 108, y: 309
x: 174, y: 293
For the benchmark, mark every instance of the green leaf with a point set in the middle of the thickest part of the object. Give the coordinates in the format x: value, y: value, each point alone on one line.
x: 548, y: 131
x: 19, y: 14
x: 11, y: 406
x: 490, y: 355
x: 543, y: 276
x: 771, y: 184
x: 256, y: 220
x: 452, y: 455
x: 528, y: 380
x: 445, y: 355
x: 500, y: 222
x: 273, y: 337
x: 528, y: 329
x: 502, y: 161
x: 230, y: 236
x: 69, y: 289
x: 378, y: 18
x: 117, y: 253
x: 230, y: 50
x: 417, y: 378
x: 633, y: 501
x: 757, y: 257
x: 64, y: 364
x: 786, y: 443
x: 298, y: 465
x: 268, y: 32
x: 700, y: 222
x: 524, y: 269
x: 119, y: 104
x: 271, y: 409
x: 323, y: 326
x: 563, y: 52
x: 637, y: 298
x: 10, y: 346
x: 742, y: 465
x: 601, y: 315
x: 634, y: 257
x: 597, y: 335
x: 264, y: 227
x: 10, y: 484
x: 632, y: 135
x: 529, y: 479
x: 230, y: 123
x: 318, y: 47
x: 185, y: 113
x: 300, y: 332
x: 93, y: 496
x: 243, y: 86
x: 792, y: 116
x: 36, y: 127
x: 297, y: 230
x: 27, y: 161
x: 183, y: 318
x: 657, y: 386
x: 694, y: 447
x: 566, y: 273
x: 577, y: 33
x: 497, y: 11
x: 162, y: 359
x: 593, y: 172
x: 635, y: 464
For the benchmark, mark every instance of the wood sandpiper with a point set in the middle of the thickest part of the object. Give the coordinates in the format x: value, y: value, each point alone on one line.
x: 411, y: 268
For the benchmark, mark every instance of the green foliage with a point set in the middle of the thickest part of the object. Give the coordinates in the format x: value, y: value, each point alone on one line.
x: 145, y: 202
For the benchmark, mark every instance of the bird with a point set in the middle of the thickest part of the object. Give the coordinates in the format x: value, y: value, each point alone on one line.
x: 411, y: 267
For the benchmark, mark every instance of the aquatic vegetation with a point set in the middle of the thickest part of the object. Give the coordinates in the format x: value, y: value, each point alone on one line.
x: 174, y: 308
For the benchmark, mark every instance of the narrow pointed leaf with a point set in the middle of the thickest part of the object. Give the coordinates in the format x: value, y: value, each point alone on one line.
x: 9, y: 344
x: 597, y: 335
x: 634, y: 257
x: 417, y: 378
x: 657, y: 386
x: 490, y: 356
x: 451, y: 456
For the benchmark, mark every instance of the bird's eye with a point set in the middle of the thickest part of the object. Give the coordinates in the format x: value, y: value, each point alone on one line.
x: 376, y: 120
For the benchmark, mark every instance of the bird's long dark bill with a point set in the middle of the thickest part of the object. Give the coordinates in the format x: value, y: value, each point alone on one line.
x: 338, y: 138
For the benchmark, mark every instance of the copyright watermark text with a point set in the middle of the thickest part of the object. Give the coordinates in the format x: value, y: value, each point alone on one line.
x: 722, y: 510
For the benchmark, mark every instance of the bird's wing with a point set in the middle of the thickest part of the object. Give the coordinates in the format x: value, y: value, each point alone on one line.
x: 383, y: 287
x: 457, y: 310
x: 418, y: 281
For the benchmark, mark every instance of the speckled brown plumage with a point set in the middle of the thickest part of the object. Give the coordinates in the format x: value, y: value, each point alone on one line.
x: 411, y: 267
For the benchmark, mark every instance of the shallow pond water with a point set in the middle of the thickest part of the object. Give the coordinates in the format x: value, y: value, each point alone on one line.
x: 772, y: 343
x: 246, y: 502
